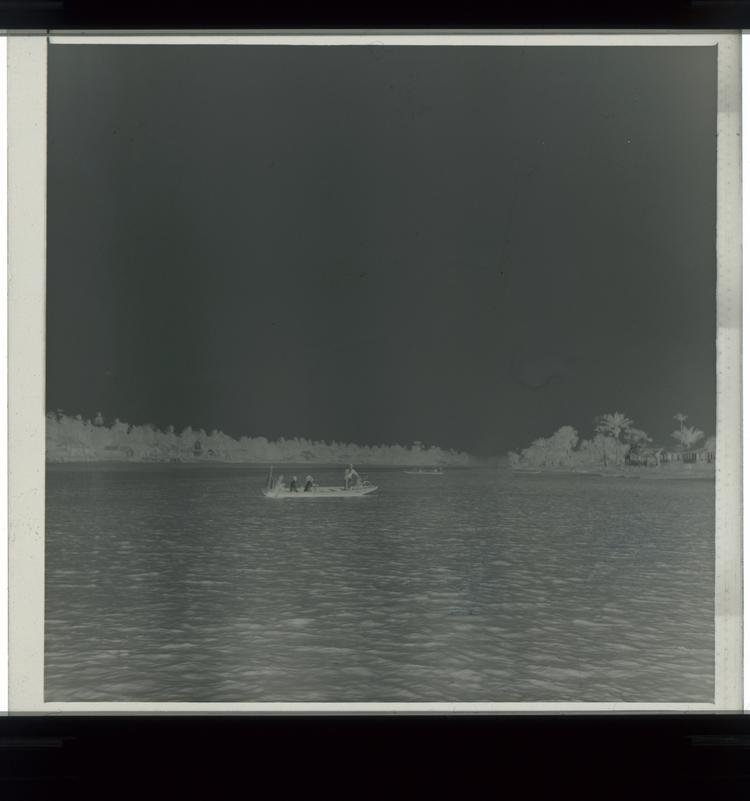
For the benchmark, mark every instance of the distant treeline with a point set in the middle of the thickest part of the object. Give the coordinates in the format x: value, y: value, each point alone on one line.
x: 74, y: 439
x: 616, y: 443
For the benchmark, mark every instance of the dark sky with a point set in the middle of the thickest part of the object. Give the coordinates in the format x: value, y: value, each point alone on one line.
x: 463, y: 245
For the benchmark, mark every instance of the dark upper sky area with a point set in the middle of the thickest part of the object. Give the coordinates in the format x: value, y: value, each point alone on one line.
x: 467, y: 246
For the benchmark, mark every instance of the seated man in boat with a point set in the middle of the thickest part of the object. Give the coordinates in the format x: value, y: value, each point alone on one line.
x: 308, y: 484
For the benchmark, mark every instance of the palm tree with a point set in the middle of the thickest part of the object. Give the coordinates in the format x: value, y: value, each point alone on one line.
x: 688, y: 436
x: 681, y: 418
x: 613, y: 425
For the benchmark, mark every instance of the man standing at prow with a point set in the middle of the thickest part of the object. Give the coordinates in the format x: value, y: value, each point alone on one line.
x: 351, y: 477
x: 293, y: 484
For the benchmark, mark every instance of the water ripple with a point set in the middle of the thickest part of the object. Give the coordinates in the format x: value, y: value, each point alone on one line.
x: 186, y: 585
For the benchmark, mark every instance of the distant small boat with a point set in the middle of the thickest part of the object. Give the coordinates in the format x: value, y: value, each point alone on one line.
x: 436, y: 471
x: 283, y: 493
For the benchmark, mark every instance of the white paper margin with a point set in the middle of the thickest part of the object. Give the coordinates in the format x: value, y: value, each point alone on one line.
x: 745, y: 81
x: 27, y: 245
x: 3, y: 381
x: 27, y: 163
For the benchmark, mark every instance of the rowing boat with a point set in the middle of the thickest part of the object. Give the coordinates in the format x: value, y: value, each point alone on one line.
x: 320, y: 492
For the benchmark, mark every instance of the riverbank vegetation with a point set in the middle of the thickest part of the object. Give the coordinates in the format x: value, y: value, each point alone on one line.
x: 616, y: 443
x: 75, y: 439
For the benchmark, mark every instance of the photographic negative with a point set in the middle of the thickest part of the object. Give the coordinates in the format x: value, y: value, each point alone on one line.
x: 385, y: 372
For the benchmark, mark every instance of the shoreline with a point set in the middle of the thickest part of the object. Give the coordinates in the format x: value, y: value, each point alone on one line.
x: 261, y: 465
x: 649, y: 473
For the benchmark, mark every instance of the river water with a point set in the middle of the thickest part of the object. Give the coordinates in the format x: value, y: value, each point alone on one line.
x: 182, y: 583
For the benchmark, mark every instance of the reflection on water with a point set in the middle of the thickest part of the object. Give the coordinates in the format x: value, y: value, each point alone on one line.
x: 167, y: 583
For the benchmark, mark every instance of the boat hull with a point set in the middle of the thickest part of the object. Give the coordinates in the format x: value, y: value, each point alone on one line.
x: 319, y: 492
